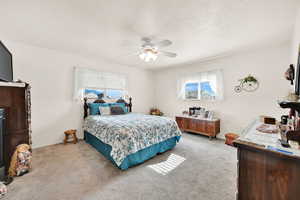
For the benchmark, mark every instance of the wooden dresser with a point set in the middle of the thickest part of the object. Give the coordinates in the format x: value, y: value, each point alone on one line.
x: 201, y: 126
x: 266, y: 171
x: 15, y: 100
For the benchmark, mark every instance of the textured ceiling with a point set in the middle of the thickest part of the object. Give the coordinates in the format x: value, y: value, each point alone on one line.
x: 112, y: 30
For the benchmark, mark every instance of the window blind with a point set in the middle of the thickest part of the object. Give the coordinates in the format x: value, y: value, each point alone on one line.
x: 90, y: 78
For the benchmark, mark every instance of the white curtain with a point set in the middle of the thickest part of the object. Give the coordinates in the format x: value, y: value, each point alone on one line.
x: 90, y: 78
x: 215, y: 78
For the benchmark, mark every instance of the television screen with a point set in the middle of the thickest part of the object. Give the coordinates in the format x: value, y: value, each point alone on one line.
x: 6, y: 72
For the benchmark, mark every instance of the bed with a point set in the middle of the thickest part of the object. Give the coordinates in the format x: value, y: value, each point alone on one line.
x: 129, y: 139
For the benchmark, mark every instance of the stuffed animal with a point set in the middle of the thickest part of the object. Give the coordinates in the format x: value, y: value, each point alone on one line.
x: 3, y: 189
x: 21, y: 161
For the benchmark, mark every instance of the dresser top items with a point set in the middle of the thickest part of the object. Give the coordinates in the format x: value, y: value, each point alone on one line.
x: 199, y: 113
x: 268, y: 141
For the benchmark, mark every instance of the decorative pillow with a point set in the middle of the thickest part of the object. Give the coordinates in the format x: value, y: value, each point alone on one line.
x: 121, y: 105
x: 116, y: 110
x: 104, y: 110
x: 94, y: 107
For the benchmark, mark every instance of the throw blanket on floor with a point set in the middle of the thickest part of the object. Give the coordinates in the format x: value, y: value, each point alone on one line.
x: 129, y: 133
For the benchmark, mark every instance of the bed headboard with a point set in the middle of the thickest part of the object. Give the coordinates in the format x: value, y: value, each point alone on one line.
x: 92, y: 100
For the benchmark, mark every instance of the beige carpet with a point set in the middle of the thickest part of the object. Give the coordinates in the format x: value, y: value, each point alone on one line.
x: 71, y: 172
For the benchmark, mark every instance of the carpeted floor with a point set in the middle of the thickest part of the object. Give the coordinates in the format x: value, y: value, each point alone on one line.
x: 73, y: 172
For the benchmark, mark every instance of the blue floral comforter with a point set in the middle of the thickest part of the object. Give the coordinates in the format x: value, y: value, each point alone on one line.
x: 129, y: 133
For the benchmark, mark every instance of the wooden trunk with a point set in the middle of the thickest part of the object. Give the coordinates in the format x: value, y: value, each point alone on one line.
x: 15, y: 102
x: 199, y: 126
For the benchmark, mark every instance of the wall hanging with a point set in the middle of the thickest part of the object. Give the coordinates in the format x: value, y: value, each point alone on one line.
x: 248, y: 84
x: 290, y: 74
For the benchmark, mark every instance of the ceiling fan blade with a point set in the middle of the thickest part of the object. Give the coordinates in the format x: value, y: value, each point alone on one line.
x: 169, y: 54
x: 163, y: 43
x: 128, y: 55
x: 146, y: 39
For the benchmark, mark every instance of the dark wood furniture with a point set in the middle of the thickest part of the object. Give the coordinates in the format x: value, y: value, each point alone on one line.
x: 266, y: 170
x: 15, y: 99
x: 206, y: 127
x: 265, y: 174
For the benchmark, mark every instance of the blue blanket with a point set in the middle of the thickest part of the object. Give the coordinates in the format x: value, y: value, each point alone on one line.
x: 132, y: 159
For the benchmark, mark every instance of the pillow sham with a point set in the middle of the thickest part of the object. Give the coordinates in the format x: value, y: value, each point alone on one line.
x: 94, y: 107
x: 121, y: 105
x: 104, y: 110
x: 116, y: 110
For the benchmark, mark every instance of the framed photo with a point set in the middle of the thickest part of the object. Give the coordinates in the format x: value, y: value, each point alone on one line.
x: 210, y: 115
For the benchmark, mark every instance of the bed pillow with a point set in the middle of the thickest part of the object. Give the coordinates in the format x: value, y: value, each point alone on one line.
x: 121, y: 105
x: 94, y: 107
x: 117, y: 110
x: 104, y: 110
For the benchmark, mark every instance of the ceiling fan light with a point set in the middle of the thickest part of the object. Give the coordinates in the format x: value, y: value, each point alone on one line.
x: 149, y: 50
x: 154, y: 57
x: 147, y: 59
x: 142, y: 56
x: 148, y: 55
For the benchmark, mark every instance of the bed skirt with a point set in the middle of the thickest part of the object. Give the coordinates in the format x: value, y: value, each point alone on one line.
x: 135, y: 158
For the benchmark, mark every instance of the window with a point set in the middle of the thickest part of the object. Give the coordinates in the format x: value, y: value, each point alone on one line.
x: 191, y: 90
x: 206, y: 91
x: 201, y: 86
x: 93, y: 93
x: 96, y: 84
x: 104, y: 93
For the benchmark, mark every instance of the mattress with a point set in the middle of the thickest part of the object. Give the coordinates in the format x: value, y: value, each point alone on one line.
x: 130, y: 133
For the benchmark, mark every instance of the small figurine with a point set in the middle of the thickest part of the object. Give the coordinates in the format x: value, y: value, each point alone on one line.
x: 290, y: 74
x: 155, y: 111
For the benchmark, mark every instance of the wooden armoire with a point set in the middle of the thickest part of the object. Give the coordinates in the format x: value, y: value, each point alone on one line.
x: 15, y: 100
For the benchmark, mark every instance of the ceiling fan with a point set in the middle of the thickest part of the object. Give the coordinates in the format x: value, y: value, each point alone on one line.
x: 150, y: 50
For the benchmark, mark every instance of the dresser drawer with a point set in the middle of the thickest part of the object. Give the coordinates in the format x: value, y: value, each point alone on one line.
x: 181, y: 122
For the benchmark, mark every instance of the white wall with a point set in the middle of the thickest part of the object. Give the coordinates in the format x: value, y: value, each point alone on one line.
x: 295, y: 40
x: 50, y: 74
x: 236, y: 111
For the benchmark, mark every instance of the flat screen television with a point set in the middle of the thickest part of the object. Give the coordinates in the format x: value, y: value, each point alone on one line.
x: 6, y: 70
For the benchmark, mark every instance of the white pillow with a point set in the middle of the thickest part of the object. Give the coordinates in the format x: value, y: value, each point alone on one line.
x: 104, y: 110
